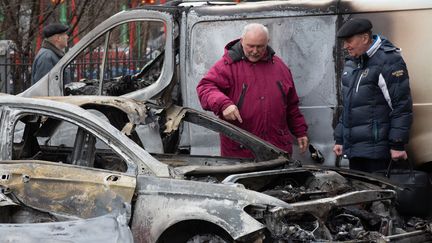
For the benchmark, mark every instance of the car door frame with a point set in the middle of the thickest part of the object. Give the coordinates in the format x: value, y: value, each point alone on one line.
x: 52, y: 83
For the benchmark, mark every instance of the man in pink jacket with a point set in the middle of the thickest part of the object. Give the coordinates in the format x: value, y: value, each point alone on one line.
x: 252, y: 88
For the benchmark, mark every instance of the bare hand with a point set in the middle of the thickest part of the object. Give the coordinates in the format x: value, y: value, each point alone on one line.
x: 231, y: 113
x: 398, y: 155
x: 303, y: 143
x: 337, y: 149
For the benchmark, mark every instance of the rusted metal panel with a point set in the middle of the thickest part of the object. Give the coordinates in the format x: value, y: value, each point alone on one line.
x: 4, y: 200
x: 66, y: 189
x: 175, y: 114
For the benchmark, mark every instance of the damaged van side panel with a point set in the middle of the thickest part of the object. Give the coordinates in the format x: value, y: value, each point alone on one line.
x: 294, y: 38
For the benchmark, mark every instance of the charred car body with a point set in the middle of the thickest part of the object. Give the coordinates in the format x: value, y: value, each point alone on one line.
x: 188, y: 196
x: 183, y: 198
x: 188, y: 38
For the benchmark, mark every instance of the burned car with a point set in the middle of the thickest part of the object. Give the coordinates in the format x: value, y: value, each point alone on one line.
x: 99, y: 171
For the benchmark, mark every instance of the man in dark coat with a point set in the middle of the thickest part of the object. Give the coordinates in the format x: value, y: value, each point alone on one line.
x: 53, y: 48
x: 252, y: 88
x: 377, y: 107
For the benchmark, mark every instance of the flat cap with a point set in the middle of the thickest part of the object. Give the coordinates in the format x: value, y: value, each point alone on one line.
x: 53, y: 29
x: 353, y: 27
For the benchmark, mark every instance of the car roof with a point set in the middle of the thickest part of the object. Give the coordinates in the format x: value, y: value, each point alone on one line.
x: 299, y: 7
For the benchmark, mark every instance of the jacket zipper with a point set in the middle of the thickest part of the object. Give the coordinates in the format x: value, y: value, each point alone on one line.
x: 358, y: 83
x: 241, y: 99
x: 280, y: 86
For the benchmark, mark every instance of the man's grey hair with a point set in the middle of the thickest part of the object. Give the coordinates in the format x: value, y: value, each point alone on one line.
x: 255, y: 26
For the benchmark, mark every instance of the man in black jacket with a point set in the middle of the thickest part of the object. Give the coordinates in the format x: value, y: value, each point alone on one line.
x: 377, y: 107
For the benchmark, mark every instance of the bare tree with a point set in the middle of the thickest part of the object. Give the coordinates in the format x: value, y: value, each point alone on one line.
x: 22, y: 19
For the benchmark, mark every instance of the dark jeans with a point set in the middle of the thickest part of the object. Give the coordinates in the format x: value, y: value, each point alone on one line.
x: 368, y: 165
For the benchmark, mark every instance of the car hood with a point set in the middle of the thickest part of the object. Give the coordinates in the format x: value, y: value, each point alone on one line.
x: 200, y: 190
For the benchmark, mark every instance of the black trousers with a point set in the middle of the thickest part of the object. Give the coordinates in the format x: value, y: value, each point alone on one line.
x: 368, y: 165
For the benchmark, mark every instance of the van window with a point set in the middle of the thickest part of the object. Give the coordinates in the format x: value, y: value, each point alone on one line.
x: 117, y: 58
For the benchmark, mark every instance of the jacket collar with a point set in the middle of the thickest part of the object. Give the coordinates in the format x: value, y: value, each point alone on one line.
x: 375, y: 46
x: 48, y: 45
x: 234, y: 51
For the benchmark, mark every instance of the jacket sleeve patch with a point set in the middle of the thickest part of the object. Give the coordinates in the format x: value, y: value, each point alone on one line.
x: 398, y: 73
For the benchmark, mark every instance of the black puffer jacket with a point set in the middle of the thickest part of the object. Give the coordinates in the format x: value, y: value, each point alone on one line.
x: 377, y: 105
